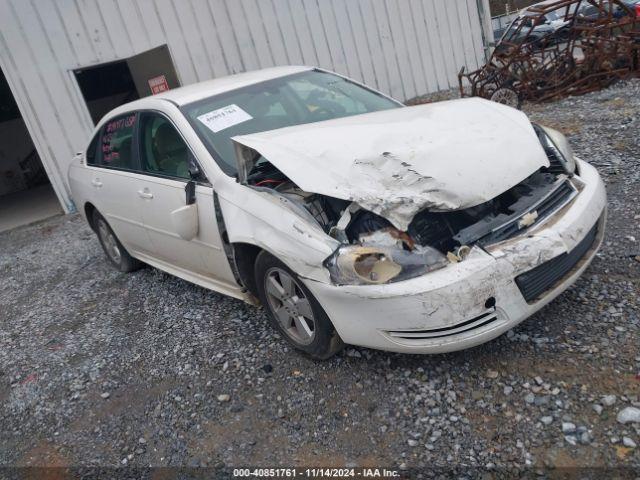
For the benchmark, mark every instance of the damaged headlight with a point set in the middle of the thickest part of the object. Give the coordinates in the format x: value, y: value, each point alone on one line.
x: 557, y: 147
x: 374, y: 265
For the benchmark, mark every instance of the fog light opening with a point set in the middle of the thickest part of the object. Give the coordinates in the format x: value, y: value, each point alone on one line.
x: 490, y: 303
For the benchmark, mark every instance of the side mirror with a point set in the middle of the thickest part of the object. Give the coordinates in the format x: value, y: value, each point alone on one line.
x: 190, y: 192
x: 194, y: 169
x: 185, y: 221
x: 195, y: 174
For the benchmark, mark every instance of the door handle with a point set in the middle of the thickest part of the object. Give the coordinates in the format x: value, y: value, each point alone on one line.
x: 96, y: 183
x: 145, y: 193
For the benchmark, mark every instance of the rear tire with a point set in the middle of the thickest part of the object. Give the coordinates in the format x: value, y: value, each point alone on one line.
x: 115, y: 252
x: 293, y: 310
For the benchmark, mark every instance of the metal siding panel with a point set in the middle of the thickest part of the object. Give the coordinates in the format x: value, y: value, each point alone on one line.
x: 210, y: 40
x: 194, y: 40
x: 288, y: 31
x: 466, y: 33
x: 430, y: 20
x: 273, y: 33
x: 241, y: 35
x: 226, y: 36
x: 318, y: 34
x: 374, y: 43
x: 255, y: 26
x: 77, y: 32
x: 150, y: 21
x: 383, y: 30
x: 442, y: 14
x: 114, y: 27
x: 331, y: 33
x: 97, y: 33
x: 403, y: 59
x: 303, y: 33
x: 42, y: 72
x: 456, y: 39
x: 347, y: 40
x: 54, y: 36
x: 75, y: 40
x: 181, y: 53
x: 420, y: 36
x: 476, y: 33
x: 135, y: 28
x: 360, y: 43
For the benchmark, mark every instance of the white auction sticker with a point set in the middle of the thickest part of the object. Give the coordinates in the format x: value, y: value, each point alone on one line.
x: 223, y: 118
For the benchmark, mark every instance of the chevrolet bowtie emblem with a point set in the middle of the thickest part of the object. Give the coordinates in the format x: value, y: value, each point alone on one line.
x: 528, y: 219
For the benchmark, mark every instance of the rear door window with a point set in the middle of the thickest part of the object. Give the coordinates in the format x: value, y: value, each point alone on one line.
x: 117, y: 143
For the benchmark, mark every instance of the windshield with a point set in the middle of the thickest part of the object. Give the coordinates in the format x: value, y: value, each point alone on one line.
x: 305, y: 97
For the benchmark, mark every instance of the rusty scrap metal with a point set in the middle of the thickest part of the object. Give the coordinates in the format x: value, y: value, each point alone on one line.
x: 558, y: 48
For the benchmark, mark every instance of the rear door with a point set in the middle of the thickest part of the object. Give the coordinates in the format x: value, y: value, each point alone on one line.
x: 113, y: 181
x: 164, y: 162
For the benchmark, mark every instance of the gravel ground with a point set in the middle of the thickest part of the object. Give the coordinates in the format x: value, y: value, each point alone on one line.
x: 99, y: 368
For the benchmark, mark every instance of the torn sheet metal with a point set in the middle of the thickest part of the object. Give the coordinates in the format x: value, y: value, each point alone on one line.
x: 444, y: 156
x: 277, y: 226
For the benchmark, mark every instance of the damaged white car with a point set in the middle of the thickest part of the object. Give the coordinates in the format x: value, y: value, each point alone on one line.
x: 351, y: 218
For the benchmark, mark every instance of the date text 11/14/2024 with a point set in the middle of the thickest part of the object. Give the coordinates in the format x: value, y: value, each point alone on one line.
x: 315, y: 473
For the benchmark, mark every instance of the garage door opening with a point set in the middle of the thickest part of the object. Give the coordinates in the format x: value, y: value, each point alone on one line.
x: 109, y: 85
x: 26, y: 195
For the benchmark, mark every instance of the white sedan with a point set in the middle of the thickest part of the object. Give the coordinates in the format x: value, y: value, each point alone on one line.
x: 351, y: 218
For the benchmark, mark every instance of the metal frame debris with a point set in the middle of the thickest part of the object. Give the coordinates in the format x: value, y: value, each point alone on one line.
x: 558, y: 48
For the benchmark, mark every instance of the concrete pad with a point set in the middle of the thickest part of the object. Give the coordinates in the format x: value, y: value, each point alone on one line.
x: 28, y: 206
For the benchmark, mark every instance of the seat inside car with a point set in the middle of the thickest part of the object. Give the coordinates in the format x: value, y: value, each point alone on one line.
x: 123, y: 157
x: 169, y: 152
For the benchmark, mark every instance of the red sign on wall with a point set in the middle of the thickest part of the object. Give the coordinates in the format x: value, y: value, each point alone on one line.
x: 158, y: 84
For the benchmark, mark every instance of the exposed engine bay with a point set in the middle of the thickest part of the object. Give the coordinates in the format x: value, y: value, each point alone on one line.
x: 374, y: 251
x: 444, y: 231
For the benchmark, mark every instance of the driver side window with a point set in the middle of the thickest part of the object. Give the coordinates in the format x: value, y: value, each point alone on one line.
x: 163, y: 150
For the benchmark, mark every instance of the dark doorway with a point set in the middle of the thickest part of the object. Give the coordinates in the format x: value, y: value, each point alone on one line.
x: 107, y: 86
x: 26, y: 194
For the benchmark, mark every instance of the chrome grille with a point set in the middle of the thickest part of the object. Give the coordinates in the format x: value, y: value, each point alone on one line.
x: 547, y: 206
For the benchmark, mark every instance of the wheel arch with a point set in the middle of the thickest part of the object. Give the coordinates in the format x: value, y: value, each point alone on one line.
x: 244, y: 257
x: 89, y: 210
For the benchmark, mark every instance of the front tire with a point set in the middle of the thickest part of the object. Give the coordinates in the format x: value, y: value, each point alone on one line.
x: 116, y: 253
x: 293, y: 310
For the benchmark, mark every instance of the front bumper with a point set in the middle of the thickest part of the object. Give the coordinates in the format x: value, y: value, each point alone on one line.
x: 474, y: 301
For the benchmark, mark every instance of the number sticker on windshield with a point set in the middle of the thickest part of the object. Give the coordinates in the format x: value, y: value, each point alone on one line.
x: 223, y: 118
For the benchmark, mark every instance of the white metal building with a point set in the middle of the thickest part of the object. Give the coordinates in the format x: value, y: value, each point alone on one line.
x: 67, y: 62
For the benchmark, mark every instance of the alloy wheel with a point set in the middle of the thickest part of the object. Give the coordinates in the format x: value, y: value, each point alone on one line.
x: 290, y: 306
x: 109, y: 241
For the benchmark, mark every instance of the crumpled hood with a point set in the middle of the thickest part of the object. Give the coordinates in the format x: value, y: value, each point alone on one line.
x: 442, y: 156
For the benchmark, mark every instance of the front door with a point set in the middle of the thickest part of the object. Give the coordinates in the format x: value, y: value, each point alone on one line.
x: 164, y: 159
